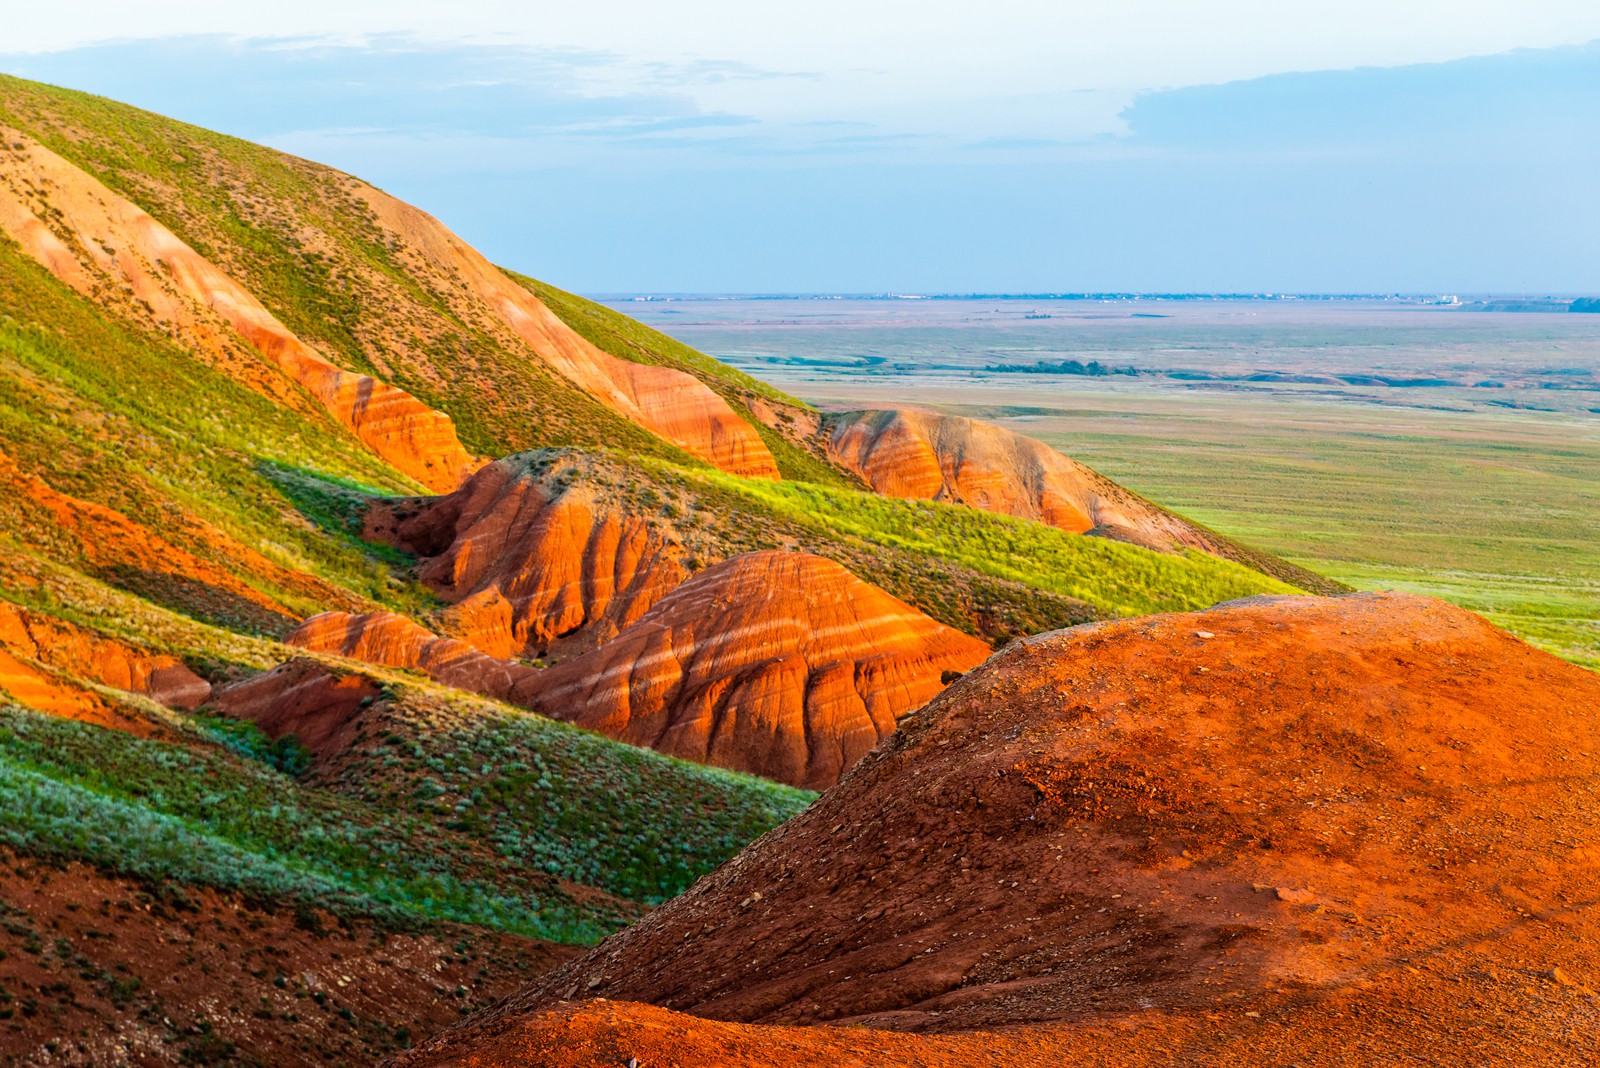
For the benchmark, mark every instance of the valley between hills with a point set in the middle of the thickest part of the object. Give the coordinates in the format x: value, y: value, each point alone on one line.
x: 403, y: 660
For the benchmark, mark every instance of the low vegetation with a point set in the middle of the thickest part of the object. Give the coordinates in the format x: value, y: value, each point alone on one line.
x: 185, y: 815
x: 562, y: 801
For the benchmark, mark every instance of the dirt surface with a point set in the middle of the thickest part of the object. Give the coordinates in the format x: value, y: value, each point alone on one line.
x: 1333, y: 830
x: 98, y: 970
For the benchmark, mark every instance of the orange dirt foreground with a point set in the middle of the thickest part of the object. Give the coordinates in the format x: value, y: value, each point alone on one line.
x: 1311, y: 831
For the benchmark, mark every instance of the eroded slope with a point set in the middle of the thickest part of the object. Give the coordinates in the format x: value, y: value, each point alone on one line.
x: 1273, y: 810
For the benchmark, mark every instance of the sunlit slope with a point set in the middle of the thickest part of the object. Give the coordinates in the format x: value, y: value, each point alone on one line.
x: 382, y: 289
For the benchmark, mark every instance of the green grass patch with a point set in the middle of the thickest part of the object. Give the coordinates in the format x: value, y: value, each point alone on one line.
x: 564, y: 801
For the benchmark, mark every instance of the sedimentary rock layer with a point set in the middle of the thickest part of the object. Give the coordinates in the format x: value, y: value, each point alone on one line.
x: 395, y: 641
x: 530, y: 561
x: 80, y: 652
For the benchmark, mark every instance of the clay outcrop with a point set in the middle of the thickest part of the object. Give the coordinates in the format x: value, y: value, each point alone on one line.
x: 1282, y: 826
x: 531, y: 562
x: 781, y: 664
x: 304, y: 698
x: 78, y: 651
x: 395, y: 641
x: 963, y: 461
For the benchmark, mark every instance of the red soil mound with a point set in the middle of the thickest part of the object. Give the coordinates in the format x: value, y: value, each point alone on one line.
x: 781, y: 664
x: 947, y: 458
x: 1306, y: 827
x: 101, y: 970
x: 394, y: 640
x: 78, y: 651
x: 674, y: 405
x: 100, y: 243
x: 532, y: 562
x: 303, y: 698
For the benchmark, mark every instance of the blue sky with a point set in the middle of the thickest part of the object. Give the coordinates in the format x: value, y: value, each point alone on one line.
x: 1065, y: 147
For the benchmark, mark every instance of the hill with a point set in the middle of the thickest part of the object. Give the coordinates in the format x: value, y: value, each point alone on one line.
x: 1307, y: 828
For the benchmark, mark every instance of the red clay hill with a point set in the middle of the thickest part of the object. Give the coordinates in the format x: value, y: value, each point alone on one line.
x: 963, y: 461
x: 778, y: 663
x: 1313, y: 831
x: 781, y: 664
x: 529, y: 561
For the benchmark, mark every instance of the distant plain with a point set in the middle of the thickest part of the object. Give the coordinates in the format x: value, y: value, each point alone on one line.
x: 1482, y: 487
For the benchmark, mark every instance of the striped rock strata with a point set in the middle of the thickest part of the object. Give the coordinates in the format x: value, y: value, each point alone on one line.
x: 78, y: 651
x: 395, y: 641
x: 531, y: 563
x: 781, y: 664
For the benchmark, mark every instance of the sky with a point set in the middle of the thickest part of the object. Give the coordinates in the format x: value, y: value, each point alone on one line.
x: 1010, y: 146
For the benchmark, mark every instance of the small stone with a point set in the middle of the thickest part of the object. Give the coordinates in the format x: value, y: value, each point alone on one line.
x: 1295, y: 897
x: 1559, y: 977
x: 1204, y: 634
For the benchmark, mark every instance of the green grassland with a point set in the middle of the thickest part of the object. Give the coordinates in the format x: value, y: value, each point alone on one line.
x: 188, y: 815
x: 1497, y: 512
x: 551, y: 798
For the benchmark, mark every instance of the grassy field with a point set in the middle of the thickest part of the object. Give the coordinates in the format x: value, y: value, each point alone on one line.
x: 1117, y: 579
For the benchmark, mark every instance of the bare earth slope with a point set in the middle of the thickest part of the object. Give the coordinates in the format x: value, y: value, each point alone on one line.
x: 1295, y: 828
x: 115, y: 965
x: 781, y: 664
